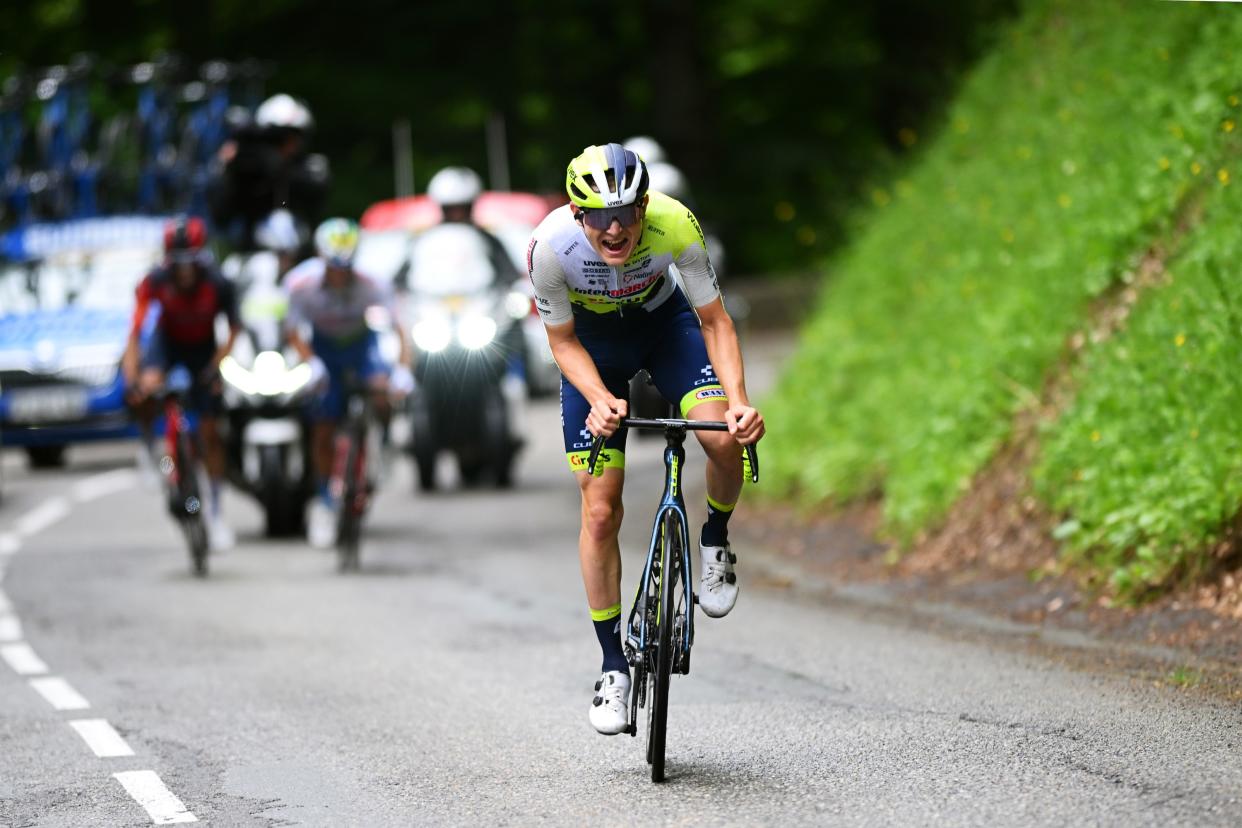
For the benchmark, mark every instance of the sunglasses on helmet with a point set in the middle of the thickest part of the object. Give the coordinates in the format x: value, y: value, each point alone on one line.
x: 601, y: 218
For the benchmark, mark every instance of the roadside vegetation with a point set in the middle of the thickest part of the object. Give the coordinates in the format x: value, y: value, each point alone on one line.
x: 1068, y: 155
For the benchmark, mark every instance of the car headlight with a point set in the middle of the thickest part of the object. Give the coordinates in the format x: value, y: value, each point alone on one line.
x: 475, y: 332
x: 270, y: 376
x: 432, y: 334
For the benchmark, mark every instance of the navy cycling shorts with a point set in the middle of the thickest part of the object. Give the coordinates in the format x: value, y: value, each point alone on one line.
x: 666, y: 341
x: 359, y: 360
x: 205, y: 395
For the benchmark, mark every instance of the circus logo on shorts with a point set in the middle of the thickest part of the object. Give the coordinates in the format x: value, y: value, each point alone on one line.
x: 579, y: 461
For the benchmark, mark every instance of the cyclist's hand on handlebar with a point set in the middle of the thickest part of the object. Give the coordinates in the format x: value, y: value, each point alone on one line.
x: 745, y: 423
x: 605, y: 416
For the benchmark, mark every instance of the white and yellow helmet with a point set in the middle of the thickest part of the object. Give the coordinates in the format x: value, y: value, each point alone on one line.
x: 336, y: 241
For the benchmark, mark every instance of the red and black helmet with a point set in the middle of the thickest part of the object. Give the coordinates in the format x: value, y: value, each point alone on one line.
x: 184, y: 236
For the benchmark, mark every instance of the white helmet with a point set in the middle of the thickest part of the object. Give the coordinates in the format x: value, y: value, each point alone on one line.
x: 667, y: 179
x: 283, y: 111
x: 278, y: 232
x: 455, y: 186
x: 647, y: 149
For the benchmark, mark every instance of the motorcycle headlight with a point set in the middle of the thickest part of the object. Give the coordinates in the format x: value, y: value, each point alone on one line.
x: 517, y: 304
x: 475, y: 332
x: 270, y: 376
x: 432, y: 334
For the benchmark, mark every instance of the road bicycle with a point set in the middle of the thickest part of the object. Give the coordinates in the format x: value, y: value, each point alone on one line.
x: 181, y: 466
x: 357, y: 452
x: 660, y: 626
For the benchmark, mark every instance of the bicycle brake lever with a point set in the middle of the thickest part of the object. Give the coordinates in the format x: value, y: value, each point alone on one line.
x: 596, y: 447
x: 752, y: 462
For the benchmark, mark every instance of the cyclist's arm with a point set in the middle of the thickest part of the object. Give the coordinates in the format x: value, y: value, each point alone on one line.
x: 578, y: 367
x: 129, y: 359
x: 552, y: 299
x: 228, y: 307
x: 720, y: 337
x: 295, y: 321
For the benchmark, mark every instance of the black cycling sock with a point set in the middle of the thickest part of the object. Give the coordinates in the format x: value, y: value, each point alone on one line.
x: 716, y: 530
x: 608, y: 630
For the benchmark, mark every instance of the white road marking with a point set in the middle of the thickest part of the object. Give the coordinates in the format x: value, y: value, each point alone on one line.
x: 101, y: 737
x: 10, y: 628
x: 22, y: 658
x: 59, y: 693
x: 36, y: 520
x: 100, y: 485
x: 9, y: 543
x: 149, y: 791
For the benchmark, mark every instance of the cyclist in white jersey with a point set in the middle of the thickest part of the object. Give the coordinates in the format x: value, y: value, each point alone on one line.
x: 599, y: 267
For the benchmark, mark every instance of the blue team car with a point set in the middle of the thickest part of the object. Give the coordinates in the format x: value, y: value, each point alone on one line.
x: 66, y: 299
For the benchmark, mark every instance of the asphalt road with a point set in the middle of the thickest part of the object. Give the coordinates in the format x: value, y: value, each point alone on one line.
x: 448, y: 683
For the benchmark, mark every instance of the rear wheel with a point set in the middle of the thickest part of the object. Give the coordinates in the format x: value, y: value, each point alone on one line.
x: 662, y: 669
x: 349, y: 524
x: 191, y: 503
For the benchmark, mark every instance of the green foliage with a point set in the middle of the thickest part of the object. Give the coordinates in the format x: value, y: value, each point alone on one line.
x: 1064, y: 155
x: 1148, y: 459
x: 793, y: 103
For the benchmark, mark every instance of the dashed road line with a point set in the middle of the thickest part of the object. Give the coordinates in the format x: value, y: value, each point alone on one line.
x: 41, y: 517
x: 149, y: 791
x: 10, y: 628
x: 101, y: 737
x: 101, y: 485
x: 145, y: 786
x: 59, y: 693
x: 23, y: 659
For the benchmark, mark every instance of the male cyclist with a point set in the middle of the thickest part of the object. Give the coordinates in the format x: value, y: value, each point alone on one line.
x: 599, y: 268
x: 327, y: 326
x: 190, y: 294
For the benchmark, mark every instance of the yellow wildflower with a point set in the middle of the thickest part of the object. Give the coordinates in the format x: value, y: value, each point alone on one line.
x: 1064, y: 200
x: 907, y: 137
x: 806, y: 235
x: 1095, y: 436
x: 1195, y: 169
x: 1164, y: 163
x: 1007, y: 235
x: 1222, y: 175
x: 1233, y: 100
x: 1227, y: 126
x: 880, y: 197
x: 1179, y: 340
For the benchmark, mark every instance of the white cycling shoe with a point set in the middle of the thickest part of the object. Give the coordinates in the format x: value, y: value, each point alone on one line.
x: 610, y: 709
x: 718, y: 587
x: 321, y: 525
x: 220, y: 535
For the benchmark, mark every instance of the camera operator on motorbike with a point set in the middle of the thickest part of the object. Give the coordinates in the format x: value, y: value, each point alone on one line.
x: 599, y: 269
x: 265, y: 166
x: 456, y: 189
x: 327, y: 326
x: 190, y: 294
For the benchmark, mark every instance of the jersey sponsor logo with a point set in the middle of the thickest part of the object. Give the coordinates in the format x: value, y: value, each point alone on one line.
x: 709, y: 377
x: 530, y: 256
x: 698, y: 230
x: 710, y: 394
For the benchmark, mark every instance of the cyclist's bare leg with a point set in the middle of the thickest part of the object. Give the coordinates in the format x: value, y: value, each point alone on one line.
x: 598, y: 550
x: 323, y: 437
x: 724, y: 465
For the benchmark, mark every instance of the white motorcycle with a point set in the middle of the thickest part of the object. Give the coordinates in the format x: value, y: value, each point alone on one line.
x: 471, y: 390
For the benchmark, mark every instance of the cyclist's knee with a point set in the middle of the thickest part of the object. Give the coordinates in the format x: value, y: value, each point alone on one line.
x: 603, y: 519
x: 719, y: 446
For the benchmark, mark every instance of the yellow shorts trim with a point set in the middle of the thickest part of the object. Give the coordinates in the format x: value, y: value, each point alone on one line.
x: 702, y: 394
x: 608, y: 459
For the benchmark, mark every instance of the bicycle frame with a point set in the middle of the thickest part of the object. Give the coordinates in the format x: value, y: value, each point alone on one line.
x: 670, y: 501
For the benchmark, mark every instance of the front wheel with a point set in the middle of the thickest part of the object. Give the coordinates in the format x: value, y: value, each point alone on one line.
x: 662, y: 670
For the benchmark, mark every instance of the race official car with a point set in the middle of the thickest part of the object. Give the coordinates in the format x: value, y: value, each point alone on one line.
x: 66, y: 298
